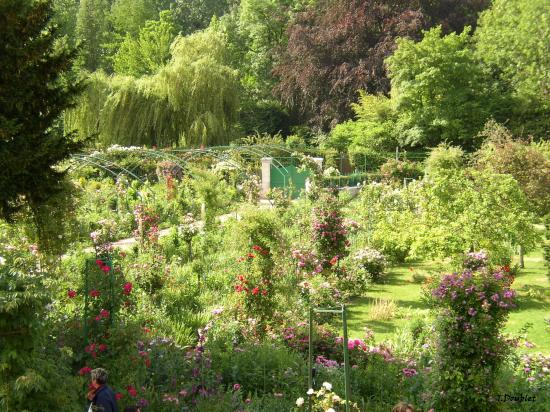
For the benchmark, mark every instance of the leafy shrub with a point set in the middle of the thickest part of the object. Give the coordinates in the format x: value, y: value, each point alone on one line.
x: 34, y: 374
x: 261, y: 369
x: 397, y: 170
x: 444, y: 158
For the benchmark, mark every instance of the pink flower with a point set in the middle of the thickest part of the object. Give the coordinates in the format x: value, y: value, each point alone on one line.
x: 105, y: 268
x: 102, y: 347
x: 255, y: 291
x: 409, y: 372
x: 118, y: 396
x: 104, y: 313
x: 236, y: 387
x: 71, y: 293
x: 94, y: 293
x: 99, y: 262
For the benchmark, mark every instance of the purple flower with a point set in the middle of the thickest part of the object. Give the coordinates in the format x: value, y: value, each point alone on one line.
x: 509, y: 294
x: 495, y: 297
x: 472, y: 312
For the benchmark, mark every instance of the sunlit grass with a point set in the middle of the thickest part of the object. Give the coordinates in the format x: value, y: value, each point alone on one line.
x: 403, y: 286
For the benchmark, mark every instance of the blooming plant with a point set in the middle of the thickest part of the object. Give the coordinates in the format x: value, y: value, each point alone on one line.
x: 103, y: 237
x: 472, y: 309
x: 324, y: 400
x: 371, y: 260
x: 254, y: 285
x: 329, y: 232
x: 475, y: 260
x: 147, y: 232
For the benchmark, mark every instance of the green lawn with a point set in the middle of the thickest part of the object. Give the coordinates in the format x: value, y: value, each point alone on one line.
x: 532, y: 285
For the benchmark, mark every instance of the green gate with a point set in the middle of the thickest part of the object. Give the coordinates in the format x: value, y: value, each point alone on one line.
x: 288, y: 177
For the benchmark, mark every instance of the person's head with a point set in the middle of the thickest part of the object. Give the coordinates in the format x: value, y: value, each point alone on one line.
x: 99, y: 376
x: 403, y: 407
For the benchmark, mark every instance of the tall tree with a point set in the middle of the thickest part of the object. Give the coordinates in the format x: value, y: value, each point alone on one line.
x: 92, y: 30
x: 440, y: 90
x: 193, y: 15
x: 513, y: 38
x: 149, y: 51
x: 33, y: 94
x: 337, y: 48
x: 192, y: 100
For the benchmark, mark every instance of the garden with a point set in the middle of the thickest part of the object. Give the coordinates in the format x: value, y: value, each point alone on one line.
x: 141, y: 232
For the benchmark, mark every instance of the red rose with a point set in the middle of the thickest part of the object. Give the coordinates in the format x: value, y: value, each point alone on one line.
x: 118, y: 396
x: 104, y: 313
x: 334, y: 261
x: 127, y: 288
x: 99, y: 262
x: 132, y: 391
x: 257, y: 248
x: 264, y: 292
x: 94, y: 293
x: 105, y: 268
x: 84, y: 370
x: 71, y: 293
x: 255, y: 291
x: 102, y: 347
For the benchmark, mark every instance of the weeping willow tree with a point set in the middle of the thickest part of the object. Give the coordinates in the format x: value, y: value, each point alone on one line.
x: 191, y: 101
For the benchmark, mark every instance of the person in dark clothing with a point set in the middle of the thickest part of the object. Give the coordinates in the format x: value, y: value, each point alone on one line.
x: 102, y: 397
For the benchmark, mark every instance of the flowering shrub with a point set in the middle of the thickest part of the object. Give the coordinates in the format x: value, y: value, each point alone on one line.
x: 255, y: 287
x: 324, y: 400
x: 472, y: 310
x: 476, y: 260
x: 103, y: 237
x: 329, y: 232
x: 371, y: 260
x: 147, y: 232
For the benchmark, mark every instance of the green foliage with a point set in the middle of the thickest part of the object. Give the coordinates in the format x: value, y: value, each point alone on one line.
x: 147, y: 53
x: 129, y: 16
x: 33, y: 93
x: 92, y: 30
x: 464, y: 209
x: 193, y: 100
x: 193, y: 15
x: 397, y: 171
x: 33, y: 375
x: 502, y: 154
x: 512, y: 37
x: 65, y: 12
x: 262, y: 369
x: 440, y: 90
x: 443, y: 159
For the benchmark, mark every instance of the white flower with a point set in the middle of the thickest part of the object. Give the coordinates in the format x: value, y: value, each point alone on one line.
x: 336, y: 399
x: 310, y: 391
x: 330, y: 410
x: 327, y: 386
x: 2, y: 260
x: 299, y: 401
